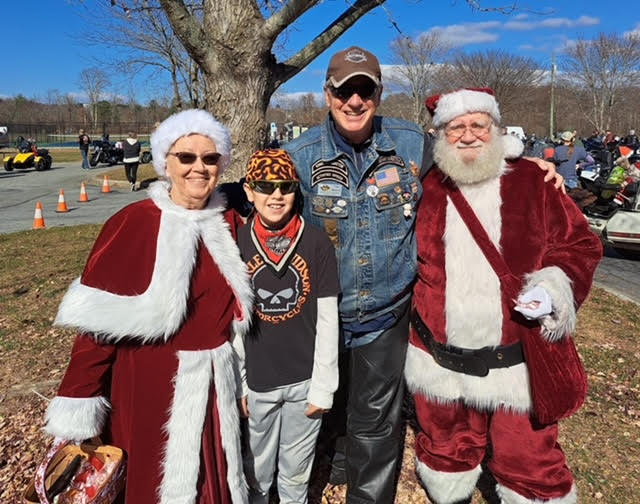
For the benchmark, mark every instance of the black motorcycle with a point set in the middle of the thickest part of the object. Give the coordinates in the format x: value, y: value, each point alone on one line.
x: 105, y: 152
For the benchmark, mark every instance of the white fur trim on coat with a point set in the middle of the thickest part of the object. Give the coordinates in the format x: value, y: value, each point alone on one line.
x: 76, y: 419
x: 508, y: 496
x: 448, y: 487
x: 224, y: 362
x: 197, y: 370
x: 562, y: 321
x: 156, y: 314
x: 502, y: 388
x: 464, y: 101
x: 473, y: 306
x: 189, y: 122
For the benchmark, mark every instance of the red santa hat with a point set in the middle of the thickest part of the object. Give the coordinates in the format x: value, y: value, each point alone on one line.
x: 445, y: 107
x: 189, y: 122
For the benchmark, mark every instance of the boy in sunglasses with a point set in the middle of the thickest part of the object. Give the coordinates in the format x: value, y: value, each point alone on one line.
x: 290, y: 357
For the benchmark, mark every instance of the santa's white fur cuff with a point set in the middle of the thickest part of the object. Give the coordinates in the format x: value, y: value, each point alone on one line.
x: 562, y: 321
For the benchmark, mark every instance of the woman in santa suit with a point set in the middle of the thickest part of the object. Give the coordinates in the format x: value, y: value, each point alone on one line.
x: 152, y: 369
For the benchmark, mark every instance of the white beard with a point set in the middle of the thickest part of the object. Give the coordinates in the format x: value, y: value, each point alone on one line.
x: 487, y: 165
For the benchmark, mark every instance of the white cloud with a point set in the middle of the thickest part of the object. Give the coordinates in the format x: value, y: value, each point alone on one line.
x: 551, y: 23
x: 468, y: 33
x: 569, y: 23
x: 635, y: 32
x: 287, y: 100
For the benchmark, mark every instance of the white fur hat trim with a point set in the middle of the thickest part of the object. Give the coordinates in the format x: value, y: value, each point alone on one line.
x: 189, y: 122
x: 464, y: 101
x: 513, y: 146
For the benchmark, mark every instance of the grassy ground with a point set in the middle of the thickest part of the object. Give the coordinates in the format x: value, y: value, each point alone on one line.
x: 602, y: 441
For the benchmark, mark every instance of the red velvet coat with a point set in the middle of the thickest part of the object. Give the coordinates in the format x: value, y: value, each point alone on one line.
x: 155, y: 305
x: 544, y: 239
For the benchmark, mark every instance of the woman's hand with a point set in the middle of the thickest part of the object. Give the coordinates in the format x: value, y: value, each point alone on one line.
x: 314, y: 411
x: 243, y: 406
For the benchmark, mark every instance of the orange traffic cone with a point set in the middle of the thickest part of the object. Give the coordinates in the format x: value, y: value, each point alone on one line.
x: 83, y: 194
x: 38, y: 220
x: 62, y: 204
x: 105, y: 185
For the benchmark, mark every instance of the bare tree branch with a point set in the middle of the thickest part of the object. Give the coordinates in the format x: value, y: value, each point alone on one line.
x: 296, y: 63
x: 603, y: 67
x: 188, y: 29
x: 280, y: 20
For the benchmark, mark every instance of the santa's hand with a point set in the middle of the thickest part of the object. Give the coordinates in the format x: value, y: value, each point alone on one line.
x: 534, y: 304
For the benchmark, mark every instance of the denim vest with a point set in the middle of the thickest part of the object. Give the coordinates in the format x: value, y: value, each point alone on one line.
x: 369, y: 216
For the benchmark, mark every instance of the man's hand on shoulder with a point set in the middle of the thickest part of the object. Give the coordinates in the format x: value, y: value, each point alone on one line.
x: 551, y: 174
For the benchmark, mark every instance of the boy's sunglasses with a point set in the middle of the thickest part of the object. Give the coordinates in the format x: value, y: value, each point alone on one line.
x: 188, y: 158
x: 365, y: 90
x: 269, y: 186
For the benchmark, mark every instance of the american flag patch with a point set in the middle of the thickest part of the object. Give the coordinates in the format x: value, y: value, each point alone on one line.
x: 387, y: 177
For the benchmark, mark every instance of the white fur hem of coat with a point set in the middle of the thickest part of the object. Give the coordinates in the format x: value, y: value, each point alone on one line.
x: 508, y: 496
x: 112, y: 317
x: 448, y: 487
x: 556, y: 282
x: 197, y: 370
x: 76, y: 419
x: 506, y: 388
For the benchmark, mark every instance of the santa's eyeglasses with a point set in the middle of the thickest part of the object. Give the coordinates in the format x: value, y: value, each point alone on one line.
x: 457, y: 131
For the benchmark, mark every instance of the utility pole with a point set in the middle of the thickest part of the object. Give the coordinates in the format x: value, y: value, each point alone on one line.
x: 553, y: 82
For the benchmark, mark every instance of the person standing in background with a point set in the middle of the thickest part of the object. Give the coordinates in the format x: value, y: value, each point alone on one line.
x: 83, y: 143
x: 131, y: 147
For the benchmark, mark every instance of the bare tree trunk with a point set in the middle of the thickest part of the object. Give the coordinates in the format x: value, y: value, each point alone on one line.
x: 240, y: 101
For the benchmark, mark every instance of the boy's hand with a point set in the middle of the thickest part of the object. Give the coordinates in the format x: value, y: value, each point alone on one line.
x: 314, y: 411
x: 243, y: 406
x: 550, y: 168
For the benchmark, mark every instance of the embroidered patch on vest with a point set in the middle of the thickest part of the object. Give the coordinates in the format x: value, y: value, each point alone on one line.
x: 330, y: 171
x: 394, y: 160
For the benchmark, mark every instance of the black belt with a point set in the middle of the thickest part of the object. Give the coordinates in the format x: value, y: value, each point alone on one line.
x: 475, y: 362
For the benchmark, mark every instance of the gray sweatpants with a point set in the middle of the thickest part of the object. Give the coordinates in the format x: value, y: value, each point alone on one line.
x: 278, y: 430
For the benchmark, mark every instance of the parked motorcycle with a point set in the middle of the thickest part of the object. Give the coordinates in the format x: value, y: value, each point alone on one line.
x: 28, y: 156
x: 105, y: 152
x: 615, y: 215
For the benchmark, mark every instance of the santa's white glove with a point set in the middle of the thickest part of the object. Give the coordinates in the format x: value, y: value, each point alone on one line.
x: 534, y: 304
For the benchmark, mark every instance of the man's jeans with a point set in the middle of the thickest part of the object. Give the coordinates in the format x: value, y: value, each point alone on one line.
x: 85, y: 159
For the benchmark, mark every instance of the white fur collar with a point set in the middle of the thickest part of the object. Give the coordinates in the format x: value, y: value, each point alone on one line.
x: 157, y: 313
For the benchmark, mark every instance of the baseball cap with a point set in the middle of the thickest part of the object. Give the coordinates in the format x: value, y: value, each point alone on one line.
x: 351, y: 62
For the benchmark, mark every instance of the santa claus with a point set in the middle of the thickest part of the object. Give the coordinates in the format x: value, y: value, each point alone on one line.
x: 466, y: 366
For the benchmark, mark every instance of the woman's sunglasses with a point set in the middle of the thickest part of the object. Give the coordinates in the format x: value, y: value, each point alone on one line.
x: 188, y: 158
x: 269, y: 186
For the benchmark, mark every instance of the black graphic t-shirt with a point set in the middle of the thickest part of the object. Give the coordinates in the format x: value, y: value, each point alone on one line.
x: 280, y: 347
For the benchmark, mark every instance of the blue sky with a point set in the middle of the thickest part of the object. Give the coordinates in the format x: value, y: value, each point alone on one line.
x: 43, y: 50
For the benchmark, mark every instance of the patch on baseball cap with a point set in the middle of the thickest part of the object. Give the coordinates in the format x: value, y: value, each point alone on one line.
x: 351, y: 62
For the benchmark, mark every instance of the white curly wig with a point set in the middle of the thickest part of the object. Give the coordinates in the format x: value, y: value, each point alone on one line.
x: 189, y: 122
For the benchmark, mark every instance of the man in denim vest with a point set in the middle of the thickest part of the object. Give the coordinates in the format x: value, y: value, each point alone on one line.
x: 360, y: 176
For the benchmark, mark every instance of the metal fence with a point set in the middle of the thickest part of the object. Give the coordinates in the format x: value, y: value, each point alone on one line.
x: 66, y: 134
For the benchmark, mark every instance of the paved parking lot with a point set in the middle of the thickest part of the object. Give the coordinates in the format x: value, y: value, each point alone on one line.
x: 21, y: 189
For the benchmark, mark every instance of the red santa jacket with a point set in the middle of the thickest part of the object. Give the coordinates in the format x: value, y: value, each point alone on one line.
x: 544, y: 239
x: 154, y: 305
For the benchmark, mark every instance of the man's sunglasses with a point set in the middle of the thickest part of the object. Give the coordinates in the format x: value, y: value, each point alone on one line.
x: 188, y: 158
x: 269, y: 186
x: 365, y: 90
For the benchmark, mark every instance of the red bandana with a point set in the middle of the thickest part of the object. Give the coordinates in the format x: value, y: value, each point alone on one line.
x: 274, y: 245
